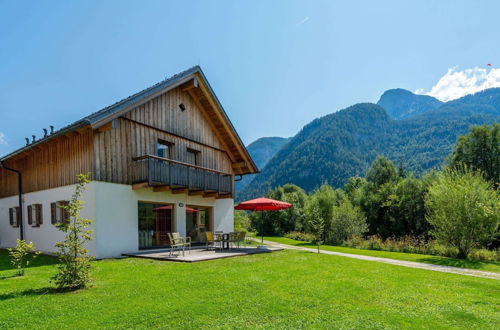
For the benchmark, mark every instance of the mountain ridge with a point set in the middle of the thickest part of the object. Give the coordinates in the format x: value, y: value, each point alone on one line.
x: 343, y: 144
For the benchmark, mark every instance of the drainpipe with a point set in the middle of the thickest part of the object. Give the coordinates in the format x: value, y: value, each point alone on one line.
x: 20, y: 190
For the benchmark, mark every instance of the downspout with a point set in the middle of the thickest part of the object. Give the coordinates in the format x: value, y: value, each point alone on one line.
x: 20, y: 190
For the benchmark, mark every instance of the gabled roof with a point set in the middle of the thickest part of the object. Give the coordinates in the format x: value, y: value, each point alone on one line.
x: 236, y: 149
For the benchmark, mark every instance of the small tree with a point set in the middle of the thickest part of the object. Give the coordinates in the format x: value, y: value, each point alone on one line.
x: 74, y: 268
x: 317, y: 225
x: 22, y: 255
x: 347, y: 221
x: 464, y: 209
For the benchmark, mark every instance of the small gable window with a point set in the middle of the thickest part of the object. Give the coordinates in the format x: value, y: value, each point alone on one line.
x: 14, y: 216
x: 57, y: 213
x: 35, y: 215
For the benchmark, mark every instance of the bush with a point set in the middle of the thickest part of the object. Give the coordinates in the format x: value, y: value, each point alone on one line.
x: 22, y: 255
x: 241, y: 221
x: 347, y: 221
x: 409, y: 244
x: 300, y: 236
x: 485, y: 255
x: 464, y: 209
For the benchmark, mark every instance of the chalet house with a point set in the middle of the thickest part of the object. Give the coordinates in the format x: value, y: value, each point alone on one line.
x: 162, y: 160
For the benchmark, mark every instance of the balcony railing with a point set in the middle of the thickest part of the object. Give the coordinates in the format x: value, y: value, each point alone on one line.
x: 158, y: 171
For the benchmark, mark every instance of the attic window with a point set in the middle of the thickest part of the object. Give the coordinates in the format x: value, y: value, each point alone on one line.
x: 182, y: 107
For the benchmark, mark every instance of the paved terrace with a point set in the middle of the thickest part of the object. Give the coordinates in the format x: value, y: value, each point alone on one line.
x: 200, y: 254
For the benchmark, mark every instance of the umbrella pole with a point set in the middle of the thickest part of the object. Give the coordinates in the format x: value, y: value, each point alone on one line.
x: 262, y: 225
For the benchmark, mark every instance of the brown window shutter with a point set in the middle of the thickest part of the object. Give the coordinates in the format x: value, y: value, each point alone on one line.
x: 11, y: 216
x: 18, y: 216
x: 65, y: 212
x: 53, y: 211
x: 39, y: 215
x: 30, y: 215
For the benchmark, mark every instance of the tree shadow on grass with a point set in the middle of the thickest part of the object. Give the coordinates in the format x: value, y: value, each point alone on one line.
x: 35, y: 292
x: 461, y: 263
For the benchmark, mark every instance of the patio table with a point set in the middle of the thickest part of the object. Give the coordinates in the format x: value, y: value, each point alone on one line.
x: 225, y: 241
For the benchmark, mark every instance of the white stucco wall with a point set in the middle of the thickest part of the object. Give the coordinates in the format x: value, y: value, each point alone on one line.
x: 114, y: 209
x: 46, y: 235
x: 117, y: 215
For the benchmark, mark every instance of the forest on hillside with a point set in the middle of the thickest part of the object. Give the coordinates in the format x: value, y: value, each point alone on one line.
x: 335, y: 147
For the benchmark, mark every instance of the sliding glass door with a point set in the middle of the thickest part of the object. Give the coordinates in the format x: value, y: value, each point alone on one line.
x: 155, y: 222
x: 198, y: 221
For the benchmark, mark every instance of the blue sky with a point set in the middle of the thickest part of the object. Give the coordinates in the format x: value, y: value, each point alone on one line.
x: 275, y: 65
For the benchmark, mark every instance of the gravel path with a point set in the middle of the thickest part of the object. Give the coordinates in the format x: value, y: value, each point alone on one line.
x: 411, y: 264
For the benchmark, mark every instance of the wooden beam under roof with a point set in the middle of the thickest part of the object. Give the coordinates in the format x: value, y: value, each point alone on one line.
x: 193, y: 83
x: 140, y: 185
x: 161, y: 188
x: 180, y: 191
x: 195, y: 192
x: 210, y: 194
x: 223, y: 196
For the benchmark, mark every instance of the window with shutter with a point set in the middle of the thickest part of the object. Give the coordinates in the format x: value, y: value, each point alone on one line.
x: 11, y: 216
x: 65, y: 213
x: 58, y: 213
x: 30, y: 215
x: 39, y: 215
x: 53, y: 213
x: 17, y: 217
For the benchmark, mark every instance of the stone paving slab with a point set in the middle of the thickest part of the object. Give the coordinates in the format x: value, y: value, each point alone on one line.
x: 196, y: 255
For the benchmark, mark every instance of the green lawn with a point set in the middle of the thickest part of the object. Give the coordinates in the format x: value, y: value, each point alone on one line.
x: 286, y: 289
x: 437, y: 260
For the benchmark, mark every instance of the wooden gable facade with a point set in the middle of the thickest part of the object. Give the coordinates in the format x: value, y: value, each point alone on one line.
x: 122, y: 148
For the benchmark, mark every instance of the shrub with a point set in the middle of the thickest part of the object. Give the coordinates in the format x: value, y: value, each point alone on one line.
x: 347, y: 221
x: 485, y: 255
x: 241, y: 221
x: 409, y: 244
x: 22, y: 255
x: 464, y: 209
x: 300, y: 236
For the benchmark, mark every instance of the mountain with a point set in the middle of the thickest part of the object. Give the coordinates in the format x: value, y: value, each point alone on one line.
x: 343, y: 144
x: 262, y: 150
x: 401, y: 103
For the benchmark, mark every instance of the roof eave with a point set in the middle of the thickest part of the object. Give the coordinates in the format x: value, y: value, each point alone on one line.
x: 68, y: 129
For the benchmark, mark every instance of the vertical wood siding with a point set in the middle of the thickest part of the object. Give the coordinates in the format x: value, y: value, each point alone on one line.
x: 108, y: 155
x: 53, y: 164
x: 137, y: 133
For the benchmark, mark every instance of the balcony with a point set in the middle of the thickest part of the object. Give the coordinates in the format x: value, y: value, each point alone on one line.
x: 169, y: 174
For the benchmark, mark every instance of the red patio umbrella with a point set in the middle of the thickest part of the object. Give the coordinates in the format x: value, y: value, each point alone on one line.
x: 263, y: 204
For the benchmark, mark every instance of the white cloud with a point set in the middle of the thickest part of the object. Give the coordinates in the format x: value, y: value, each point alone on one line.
x: 305, y: 19
x: 455, y: 84
x: 2, y: 139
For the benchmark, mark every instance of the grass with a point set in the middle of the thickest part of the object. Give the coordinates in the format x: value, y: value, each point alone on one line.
x: 287, y: 289
x: 430, y: 259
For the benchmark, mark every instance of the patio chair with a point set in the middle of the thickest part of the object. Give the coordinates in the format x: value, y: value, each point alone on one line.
x: 218, y: 239
x: 209, y: 239
x: 233, y: 238
x: 241, y: 238
x: 176, y: 241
